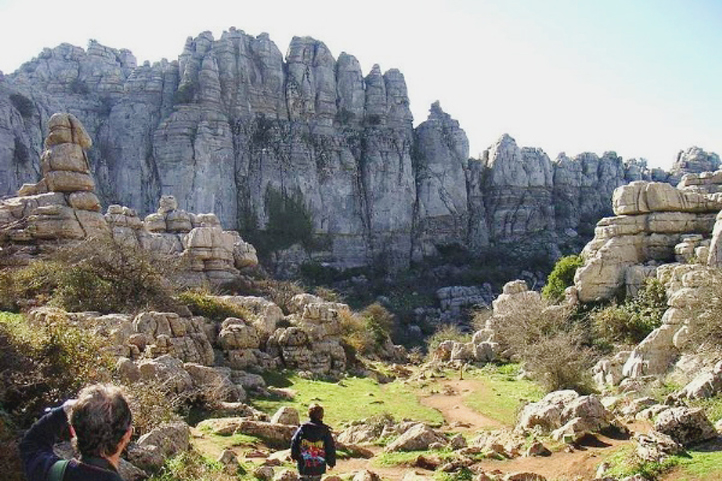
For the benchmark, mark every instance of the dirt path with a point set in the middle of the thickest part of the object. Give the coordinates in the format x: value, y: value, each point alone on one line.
x: 458, y: 417
x: 576, y: 463
x: 580, y: 462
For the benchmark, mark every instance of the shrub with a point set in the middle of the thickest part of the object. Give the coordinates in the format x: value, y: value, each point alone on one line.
x: 152, y: 405
x: 23, y: 105
x: 79, y: 87
x: 551, y: 345
x: 32, y: 284
x: 327, y: 294
x: 106, y: 275
x: 46, y: 362
x: 705, y: 329
x: 202, y: 303
x: 192, y: 466
x: 447, y: 332
x: 367, y: 332
x: 561, y: 277
x: 379, y: 321
x: 185, y: 93
x: 560, y: 361
x: 289, y: 220
x: 633, y: 320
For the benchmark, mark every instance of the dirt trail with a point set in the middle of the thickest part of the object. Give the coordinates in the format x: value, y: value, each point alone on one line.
x: 575, y: 463
x: 580, y: 462
x: 457, y: 416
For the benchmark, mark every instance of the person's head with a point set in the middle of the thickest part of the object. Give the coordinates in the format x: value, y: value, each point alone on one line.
x: 315, y: 412
x: 101, y: 420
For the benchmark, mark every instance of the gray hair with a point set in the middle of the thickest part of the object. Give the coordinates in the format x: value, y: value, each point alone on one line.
x: 100, y: 418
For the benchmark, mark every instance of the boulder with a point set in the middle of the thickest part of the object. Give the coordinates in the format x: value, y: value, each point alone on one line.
x: 686, y: 426
x: 286, y: 415
x: 417, y: 438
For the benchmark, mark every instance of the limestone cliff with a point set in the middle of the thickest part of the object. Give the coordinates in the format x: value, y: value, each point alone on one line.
x: 302, y: 148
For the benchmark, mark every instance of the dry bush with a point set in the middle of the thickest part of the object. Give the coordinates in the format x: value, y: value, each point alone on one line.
x: 447, y: 332
x: 279, y: 292
x: 367, y: 332
x: 152, y: 405
x: 479, y: 318
x: 45, y: 363
x: 202, y: 303
x: 106, y: 275
x: 549, y: 342
x: 705, y: 328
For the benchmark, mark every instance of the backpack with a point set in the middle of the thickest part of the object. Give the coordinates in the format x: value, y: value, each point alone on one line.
x: 57, y: 470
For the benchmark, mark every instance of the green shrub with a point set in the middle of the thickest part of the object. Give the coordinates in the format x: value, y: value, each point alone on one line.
x: 633, y: 320
x: 368, y: 331
x: 185, y: 93
x: 379, y: 321
x: 46, y: 362
x: 202, y: 303
x: 23, y: 105
x: 561, y: 277
x: 192, y: 466
x: 289, y: 220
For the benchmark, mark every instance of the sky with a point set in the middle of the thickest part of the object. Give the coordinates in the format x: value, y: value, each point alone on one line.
x: 642, y: 78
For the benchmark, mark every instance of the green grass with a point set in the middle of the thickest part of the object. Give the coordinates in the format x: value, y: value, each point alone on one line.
x: 351, y: 399
x: 501, y: 395
x: 712, y: 406
x: 407, y: 458
x: 11, y: 319
x: 700, y: 465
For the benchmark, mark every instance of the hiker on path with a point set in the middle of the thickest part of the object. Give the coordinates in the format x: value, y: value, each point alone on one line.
x: 100, y: 422
x: 312, y: 446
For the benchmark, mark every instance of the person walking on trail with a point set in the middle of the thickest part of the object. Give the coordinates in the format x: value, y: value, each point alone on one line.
x: 101, y: 423
x: 312, y: 446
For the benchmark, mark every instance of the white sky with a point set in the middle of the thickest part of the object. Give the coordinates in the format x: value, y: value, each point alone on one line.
x: 640, y: 77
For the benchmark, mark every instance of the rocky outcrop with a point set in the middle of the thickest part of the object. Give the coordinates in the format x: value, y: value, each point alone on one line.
x: 63, y: 208
x: 233, y: 127
x: 651, y: 220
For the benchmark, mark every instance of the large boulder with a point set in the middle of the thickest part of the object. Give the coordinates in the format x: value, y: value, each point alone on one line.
x: 687, y: 426
x: 418, y: 438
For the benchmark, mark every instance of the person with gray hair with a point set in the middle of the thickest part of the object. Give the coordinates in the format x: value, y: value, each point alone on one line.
x: 100, y: 422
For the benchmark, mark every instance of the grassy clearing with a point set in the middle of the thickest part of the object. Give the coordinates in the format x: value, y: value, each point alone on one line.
x: 701, y: 465
x: 351, y: 399
x: 502, y: 395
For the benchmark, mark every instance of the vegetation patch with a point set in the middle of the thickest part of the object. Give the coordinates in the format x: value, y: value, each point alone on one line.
x: 192, y: 466
x: 408, y: 458
x: 501, y: 396
x: 202, y: 303
x: 561, y: 277
x: 350, y: 399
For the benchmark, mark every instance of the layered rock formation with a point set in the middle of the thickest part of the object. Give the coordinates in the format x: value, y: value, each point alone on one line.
x: 233, y: 127
x: 652, y: 219
x: 63, y: 208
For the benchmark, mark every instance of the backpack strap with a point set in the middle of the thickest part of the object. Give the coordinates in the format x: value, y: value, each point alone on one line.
x: 57, y: 470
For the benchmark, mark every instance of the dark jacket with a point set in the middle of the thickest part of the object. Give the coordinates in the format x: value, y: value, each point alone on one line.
x: 36, y: 451
x: 312, y: 448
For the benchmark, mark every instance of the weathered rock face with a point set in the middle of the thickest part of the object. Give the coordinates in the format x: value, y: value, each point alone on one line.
x: 651, y: 219
x: 233, y: 128
x: 63, y: 208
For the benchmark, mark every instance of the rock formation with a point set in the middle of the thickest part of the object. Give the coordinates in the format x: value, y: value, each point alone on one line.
x: 233, y: 127
x: 652, y: 219
x: 63, y: 208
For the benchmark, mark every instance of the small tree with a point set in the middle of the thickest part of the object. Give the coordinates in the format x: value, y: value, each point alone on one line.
x: 561, y: 277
